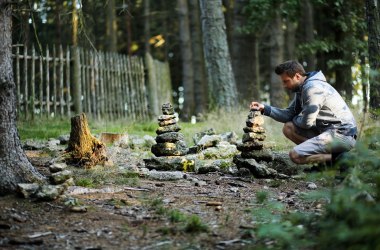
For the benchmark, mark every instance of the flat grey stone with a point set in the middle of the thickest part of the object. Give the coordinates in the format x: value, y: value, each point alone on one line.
x: 166, y: 175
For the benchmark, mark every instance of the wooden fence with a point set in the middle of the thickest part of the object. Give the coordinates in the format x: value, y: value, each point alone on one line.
x: 60, y: 82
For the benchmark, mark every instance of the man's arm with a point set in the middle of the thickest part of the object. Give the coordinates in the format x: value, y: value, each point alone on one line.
x: 281, y: 115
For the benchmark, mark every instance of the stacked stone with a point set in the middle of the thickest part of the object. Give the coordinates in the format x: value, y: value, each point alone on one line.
x: 169, y: 141
x: 254, y: 134
x: 253, y: 157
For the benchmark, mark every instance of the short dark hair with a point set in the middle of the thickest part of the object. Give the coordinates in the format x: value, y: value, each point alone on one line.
x: 290, y: 68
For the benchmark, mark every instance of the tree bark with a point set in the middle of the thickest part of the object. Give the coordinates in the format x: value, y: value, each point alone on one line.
x: 277, y: 94
x: 187, y: 64
x: 83, y: 148
x: 243, y: 54
x: 75, y: 23
x: 111, y: 31
x: 200, y: 80
x: 221, y: 81
x: 14, y: 165
x: 308, y: 32
x: 147, y: 25
x: 373, y: 25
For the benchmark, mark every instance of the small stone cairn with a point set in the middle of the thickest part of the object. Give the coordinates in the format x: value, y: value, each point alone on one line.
x: 251, y: 148
x: 169, y: 141
x: 171, y: 149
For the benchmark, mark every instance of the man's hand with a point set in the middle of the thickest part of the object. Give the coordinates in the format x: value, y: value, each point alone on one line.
x: 256, y: 106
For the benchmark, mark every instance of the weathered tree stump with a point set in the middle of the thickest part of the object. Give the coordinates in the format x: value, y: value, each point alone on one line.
x: 83, y: 148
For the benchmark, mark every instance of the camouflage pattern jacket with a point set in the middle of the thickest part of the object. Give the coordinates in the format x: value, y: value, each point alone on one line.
x: 316, y: 105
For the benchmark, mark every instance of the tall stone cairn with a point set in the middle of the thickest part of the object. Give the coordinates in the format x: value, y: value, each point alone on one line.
x: 169, y: 141
x: 253, y: 157
x: 254, y: 134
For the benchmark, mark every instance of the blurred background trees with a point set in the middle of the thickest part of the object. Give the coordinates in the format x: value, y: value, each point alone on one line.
x: 331, y: 36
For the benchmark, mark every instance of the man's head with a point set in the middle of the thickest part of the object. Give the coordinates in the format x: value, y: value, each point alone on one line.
x: 292, y: 74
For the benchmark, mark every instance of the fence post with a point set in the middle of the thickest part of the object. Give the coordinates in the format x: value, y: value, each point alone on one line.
x: 76, y: 81
x: 152, y: 86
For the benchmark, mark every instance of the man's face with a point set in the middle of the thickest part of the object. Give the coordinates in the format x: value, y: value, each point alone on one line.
x: 291, y: 83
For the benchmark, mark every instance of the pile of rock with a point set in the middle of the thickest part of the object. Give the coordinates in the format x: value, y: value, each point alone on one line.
x: 169, y: 141
x: 171, y: 148
x: 251, y: 148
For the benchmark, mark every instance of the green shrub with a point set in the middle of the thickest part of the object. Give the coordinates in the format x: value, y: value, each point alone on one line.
x: 194, y: 224
x: 352, y: 209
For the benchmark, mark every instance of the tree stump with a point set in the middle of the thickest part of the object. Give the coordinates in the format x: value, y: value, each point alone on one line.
x: 84, y: 149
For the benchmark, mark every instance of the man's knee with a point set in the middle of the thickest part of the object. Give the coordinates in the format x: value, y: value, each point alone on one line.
x: 288, y: 129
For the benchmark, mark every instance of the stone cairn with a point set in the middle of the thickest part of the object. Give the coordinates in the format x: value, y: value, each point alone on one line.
x: 254, y: 134
x: 169, y: 141
x: 251, y: 147
x: 171, y: 147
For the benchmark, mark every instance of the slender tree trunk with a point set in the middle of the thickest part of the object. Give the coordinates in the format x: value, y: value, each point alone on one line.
x: 25, y: 27
x: 147, y: 25
x: 277, y: 94
x: 200, y: 80
x: 221, y: 81
x: 58, y: 23
x: 128, y: 26
x: 111, y: 31
x: 308, y: 31
x: 290, y: 42
x: 14, y: 165
x: 242, y: 54
x: 256, y: 69
x: 187, y: 63
x: 75, y: 23
x: 373, y: 25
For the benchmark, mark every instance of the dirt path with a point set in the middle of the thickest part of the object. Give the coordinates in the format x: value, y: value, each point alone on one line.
x: 200, y: 211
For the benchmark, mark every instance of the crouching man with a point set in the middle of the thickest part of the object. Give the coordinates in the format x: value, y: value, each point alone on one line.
x: 318, y: 120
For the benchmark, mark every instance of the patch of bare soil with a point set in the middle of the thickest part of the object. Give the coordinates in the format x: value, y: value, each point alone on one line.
x: 201, y: 211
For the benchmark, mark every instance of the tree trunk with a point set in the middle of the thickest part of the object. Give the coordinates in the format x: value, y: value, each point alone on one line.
x: 147, y: 25
x: 242, y: 54
x: 154, y: 106
x: 14, y: 165
x: 83, y: 148
x: 373, y: 25
x: 75, y: 23
x: 187, y: 64
x: 200, y: 80
x: 277, y: 94
x: 221, y: 81
x: 308, y: 32
x: 111, y: 30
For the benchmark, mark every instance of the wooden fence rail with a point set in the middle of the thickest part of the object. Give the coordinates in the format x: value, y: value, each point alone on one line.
x: 59, y: 82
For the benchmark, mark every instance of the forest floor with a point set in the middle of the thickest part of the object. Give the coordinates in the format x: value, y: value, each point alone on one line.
x: 200, y: 211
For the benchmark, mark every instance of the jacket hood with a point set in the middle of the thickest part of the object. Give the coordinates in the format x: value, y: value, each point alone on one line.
x: 311, y: 76
x: 315, y: 75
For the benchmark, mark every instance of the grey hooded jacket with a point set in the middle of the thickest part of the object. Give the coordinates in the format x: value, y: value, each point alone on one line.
x: 316, y: 105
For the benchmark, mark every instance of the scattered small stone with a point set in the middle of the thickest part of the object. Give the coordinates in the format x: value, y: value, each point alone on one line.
x: 61, y: 177
x: 200, y: 183
x: 311, y: 186
x: 218, y: 208
x: 49, y: 192
x: 27, y: 189
x: 37, y: 235
x: 214, y: 203
x: 57, y: 167
x: 166, y: 175
x: 18, y: 218
x: 78, y: 209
